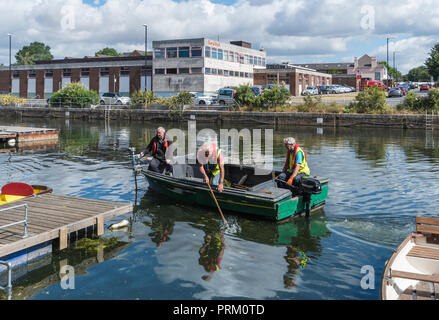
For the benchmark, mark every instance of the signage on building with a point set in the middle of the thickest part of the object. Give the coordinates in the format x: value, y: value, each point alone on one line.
x: 213, y: 43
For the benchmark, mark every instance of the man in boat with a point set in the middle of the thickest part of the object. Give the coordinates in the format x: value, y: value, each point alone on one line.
x: 157, y: 148
x: 295, y: 167
x: 211, y: 165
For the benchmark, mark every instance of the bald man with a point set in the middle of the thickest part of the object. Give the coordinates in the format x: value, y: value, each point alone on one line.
x: 211, y: 164
x: 157, y: 148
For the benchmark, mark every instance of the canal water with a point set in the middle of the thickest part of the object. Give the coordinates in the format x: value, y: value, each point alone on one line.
x: 380, y: 179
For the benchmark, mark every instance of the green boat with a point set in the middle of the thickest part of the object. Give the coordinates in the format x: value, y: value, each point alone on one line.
x: 256, y: 195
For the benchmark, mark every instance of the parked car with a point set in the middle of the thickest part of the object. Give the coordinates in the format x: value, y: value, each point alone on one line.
x: 379, y: 84
x: 202, y: 99
x: 323, y: 89
x: 348, y: 88
x: 226, y: 96
x: 111, y: 98
x: 310, y: 91
x: 424, y: 87
x: 395, y: 92
x: 335, y: 89
x: 256, y: 90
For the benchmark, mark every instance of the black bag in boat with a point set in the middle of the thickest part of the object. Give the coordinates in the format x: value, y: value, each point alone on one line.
x: 311, y: 185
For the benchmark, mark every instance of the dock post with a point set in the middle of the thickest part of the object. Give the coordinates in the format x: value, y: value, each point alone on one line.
x: 100, y: 226
x: 63, y: 239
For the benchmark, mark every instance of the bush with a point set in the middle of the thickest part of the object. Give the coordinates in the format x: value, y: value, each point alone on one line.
x: 411, y: 102
x: 9, y: 100
x: 184, y: 97
x: 75, y: 95
x: 276, y: 96
x: 244, y: 96
x: 372, y: 100
x: 143, y: 98
x: 415, y: 103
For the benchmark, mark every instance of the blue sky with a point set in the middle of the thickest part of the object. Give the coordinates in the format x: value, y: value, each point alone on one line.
x: 297, y: 31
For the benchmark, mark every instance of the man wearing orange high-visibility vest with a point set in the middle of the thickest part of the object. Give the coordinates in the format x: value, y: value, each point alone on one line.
x: 211, y: 164
x: 295, y: 167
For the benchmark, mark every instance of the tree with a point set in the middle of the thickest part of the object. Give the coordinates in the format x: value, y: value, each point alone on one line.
x: 393, y: 72
x: 432, y: 62
x: 33, y: 52
x: 418, y: 74
x: 108, y: 52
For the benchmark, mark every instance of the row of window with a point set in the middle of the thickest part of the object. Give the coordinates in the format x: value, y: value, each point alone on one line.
x: 220, y: 72
x: 209, y: 52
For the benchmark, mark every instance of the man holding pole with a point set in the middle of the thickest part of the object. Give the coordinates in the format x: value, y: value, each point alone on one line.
x: 211, y: 165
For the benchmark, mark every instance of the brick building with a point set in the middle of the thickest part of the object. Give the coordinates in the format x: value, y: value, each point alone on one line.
x: 125, y: 75
x: 293, y: 77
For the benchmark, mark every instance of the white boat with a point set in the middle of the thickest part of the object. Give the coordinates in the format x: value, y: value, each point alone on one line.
x: 412, y: 272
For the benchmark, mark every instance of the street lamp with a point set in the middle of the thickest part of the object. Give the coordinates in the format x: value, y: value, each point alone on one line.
x: 388, y: 38
x: 10, y: 70
x: 146, y: 52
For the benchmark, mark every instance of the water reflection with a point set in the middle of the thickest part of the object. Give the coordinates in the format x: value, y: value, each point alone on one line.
x: 211, y: 253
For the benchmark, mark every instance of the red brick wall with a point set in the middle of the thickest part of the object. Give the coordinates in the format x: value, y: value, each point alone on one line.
x: 94, y: 79
x: 39, y: 86
x: 23, y: 83
x: 76, y: 75
x: 57, y: 79
x: 135, y: 75
x: 4, y: 80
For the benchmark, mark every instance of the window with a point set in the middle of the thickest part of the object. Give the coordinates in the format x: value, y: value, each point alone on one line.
x: 263, y: 62
x: 220, y: 54
x: 68, y: 74
x: 241, y: 59
x: 16, y: 75
x: 85, y: 74
x: 49, y: 74
x: 70, y: 70
x: 377, y: 76
x: 250, y: 58
x: 241, y: 74
x: 236, y: 56
x: 207, y: 52
x: 197, y: 70
x: 220, y: 72
x: 147, y: 72
x: 124, y: 73
x: 214, y: 71
x: 246, y: 74
x: 207, y: 70
x: 183, y: 70
x: 226, y: 72
x: 171, y: 71
x: 102, y: 74
x: 85, y: 69
x: 226, y: 55
x: 102, y: 69
x: 171, y: 53
x: 183, y: 52
x: 196, y: 51
x: 236, y: 74
x: 246, y: 59
x: 231, y: 55
x: 159, y: 53
x: 259, y: 61
x: 214, y: 56
x: 159, y: 71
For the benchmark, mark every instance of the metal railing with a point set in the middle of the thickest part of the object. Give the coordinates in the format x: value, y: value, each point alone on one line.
x: 18, y: 222
x: 8, y: 287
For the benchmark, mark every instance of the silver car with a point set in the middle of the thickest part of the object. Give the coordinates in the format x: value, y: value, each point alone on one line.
x: 201, y: 99
x: 226, y: 96
x: 111, y: 98
x: 310, y: 91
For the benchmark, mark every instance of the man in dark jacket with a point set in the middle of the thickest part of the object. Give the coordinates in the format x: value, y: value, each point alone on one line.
x: 157, y: 148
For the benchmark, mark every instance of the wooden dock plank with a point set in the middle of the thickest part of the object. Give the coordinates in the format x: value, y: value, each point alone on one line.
x: 51, y: 217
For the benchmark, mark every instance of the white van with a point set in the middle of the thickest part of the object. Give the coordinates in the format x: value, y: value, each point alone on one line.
x: 226, y: 96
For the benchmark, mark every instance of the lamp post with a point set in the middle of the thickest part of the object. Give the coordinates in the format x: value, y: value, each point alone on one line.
x: 146, y: 53
x: 10, y: 67
x: 388, y: 38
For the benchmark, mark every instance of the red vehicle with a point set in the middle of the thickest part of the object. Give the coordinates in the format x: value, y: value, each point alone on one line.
x: 424, y: 87
x: 379, y: 84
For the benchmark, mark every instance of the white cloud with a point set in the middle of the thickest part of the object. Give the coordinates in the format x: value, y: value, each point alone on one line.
x: 305, y: 29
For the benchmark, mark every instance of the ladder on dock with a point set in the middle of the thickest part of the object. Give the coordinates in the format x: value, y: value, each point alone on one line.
x: 429, y: 120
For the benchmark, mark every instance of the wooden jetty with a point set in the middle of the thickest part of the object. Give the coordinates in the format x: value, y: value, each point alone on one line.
x: 27, y: 134
x: 51, y: 217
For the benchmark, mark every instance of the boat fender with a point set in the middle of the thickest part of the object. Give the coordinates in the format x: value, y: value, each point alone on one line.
x: 119, y: 225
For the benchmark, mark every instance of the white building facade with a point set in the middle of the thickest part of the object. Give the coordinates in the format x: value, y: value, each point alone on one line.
x: 203, y: 65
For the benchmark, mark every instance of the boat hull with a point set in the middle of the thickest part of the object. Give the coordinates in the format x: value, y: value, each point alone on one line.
x: 38, y: 189
x: 231, y: 199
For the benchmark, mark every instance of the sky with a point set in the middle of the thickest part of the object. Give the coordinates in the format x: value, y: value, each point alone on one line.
x: 294, y: 31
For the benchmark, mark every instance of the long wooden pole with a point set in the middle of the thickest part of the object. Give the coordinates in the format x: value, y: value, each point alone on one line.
x: 214, y: 198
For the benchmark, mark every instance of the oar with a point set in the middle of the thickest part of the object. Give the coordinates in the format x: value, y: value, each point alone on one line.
x: 214, y: 198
